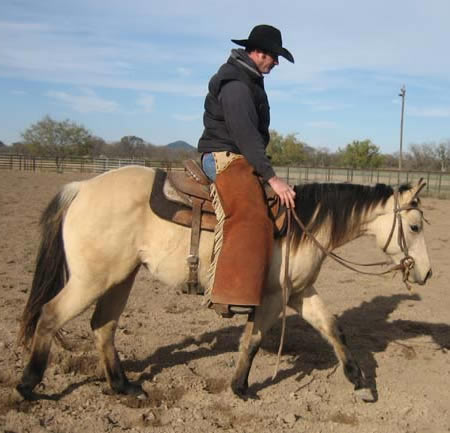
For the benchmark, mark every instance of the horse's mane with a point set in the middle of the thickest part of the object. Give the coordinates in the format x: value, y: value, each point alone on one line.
x: 342, y: 205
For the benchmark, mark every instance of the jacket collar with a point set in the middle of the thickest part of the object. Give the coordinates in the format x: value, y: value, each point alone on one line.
x: 241, y: 57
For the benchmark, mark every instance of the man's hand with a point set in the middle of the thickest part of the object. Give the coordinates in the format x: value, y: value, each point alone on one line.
x: 283, y: 190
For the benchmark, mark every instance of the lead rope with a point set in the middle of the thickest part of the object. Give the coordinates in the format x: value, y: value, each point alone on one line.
x: 285, y: 287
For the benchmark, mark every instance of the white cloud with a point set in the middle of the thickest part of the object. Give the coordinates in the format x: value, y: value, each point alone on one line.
x: 184, y: 72
x: 429, y: 111
x: 147, y: 102
x: 18, y: 92
x: 88, y: 102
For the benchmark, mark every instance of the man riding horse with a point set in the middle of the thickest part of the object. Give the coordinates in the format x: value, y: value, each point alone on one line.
x: 233, y: 144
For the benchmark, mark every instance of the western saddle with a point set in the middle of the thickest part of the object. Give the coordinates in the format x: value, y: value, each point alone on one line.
x: 183, y: 197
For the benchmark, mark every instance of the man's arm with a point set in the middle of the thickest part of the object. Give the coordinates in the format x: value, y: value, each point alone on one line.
x: 241, y: 119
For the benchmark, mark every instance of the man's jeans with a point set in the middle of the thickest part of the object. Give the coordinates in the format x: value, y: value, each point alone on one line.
x: 209, y: 166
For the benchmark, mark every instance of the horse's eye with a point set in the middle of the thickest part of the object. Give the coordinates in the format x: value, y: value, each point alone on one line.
x: 415, y: 228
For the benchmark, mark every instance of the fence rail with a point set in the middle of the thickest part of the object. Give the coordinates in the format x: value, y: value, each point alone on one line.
x: 80, y: 165
x: 438, y: 183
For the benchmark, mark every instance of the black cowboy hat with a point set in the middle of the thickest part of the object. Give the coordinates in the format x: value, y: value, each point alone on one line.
x: 265, y: 38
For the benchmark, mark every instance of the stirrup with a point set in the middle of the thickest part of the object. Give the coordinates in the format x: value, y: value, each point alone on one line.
x: 228, y: 311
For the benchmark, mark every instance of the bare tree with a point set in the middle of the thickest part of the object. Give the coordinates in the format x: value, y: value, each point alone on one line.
x: 442, y: 152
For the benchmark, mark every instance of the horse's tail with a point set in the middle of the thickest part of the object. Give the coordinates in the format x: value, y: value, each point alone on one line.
x: 51, y: 270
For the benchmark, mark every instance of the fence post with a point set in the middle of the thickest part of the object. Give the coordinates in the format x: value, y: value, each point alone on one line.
x: 440, y: 183
x: 428, y: 182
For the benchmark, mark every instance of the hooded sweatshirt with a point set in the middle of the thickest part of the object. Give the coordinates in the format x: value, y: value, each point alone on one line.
x: 237, y: 113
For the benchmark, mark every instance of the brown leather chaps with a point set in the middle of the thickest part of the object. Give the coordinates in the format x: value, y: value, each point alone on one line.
x: 244, y: 257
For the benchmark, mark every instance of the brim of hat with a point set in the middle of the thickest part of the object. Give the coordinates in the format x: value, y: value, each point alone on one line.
x: 276, y: 50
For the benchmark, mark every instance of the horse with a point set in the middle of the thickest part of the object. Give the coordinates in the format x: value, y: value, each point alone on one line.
x: 97, y: 233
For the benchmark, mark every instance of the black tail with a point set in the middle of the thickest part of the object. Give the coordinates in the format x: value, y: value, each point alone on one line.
x: 51, y: 270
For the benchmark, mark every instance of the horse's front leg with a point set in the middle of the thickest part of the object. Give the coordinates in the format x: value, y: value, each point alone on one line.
x: 311, y: 307
x: 257, y: 325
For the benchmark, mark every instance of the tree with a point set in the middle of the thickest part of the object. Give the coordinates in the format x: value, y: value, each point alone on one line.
x: 285, y: 150
x: 49, y: 137
x: 361, y: 154
x: 97, y: 146
x: 131, y: 146
x: 3, y: 147
x: 275, y: 147
x: 423, y: 156
x: 442, y: 152
x: 320, y: 157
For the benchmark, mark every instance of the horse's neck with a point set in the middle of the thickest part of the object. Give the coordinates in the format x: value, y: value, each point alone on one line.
x: 368, y: 222
x: 379, y: 215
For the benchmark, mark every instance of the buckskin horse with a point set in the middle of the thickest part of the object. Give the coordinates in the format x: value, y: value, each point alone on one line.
x: 97, y: 233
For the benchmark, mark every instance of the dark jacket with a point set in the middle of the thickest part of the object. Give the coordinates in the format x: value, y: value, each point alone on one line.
x: 237, y: 113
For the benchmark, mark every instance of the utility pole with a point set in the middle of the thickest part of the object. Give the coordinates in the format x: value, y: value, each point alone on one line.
x: 402, y: 95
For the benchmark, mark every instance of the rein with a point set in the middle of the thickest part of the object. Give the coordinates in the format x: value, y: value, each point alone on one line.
x: 406, y: 264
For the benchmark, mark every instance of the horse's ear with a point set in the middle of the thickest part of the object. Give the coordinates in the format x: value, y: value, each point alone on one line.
x: 415, y: 191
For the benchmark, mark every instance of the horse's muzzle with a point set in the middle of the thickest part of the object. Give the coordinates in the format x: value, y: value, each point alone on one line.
x: 427, y: 277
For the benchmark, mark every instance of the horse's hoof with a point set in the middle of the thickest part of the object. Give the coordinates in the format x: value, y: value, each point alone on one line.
x: 240, y: 391
x: 142, y: 395
x: 366, y: 394
x: 135, y: 391
x: 25, y: 392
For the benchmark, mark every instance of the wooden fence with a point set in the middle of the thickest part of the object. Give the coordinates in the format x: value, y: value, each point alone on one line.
x: 438, y: 183
x: 79, y: 165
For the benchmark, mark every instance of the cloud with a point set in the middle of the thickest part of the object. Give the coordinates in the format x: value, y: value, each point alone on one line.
x: 439, y: 112
x: 147, y: 102
x: 88, y: 102
x: 12, y: 26
x: 184, y: 72
x: 18, y: 92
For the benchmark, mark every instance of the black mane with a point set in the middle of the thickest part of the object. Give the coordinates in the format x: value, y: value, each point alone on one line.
x: 338, y: 204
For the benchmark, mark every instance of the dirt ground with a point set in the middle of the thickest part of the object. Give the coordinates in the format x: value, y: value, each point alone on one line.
x: 184, y: 355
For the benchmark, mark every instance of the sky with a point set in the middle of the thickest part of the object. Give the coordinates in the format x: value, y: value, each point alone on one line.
x: 142, y: 67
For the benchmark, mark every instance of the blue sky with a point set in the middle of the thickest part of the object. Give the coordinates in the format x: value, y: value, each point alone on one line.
x: 142, y: 67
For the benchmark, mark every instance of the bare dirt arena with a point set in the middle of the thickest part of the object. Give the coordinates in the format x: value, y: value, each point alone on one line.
x: 184, y: 355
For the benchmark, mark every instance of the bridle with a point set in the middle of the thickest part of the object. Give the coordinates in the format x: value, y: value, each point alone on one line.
x: 406, y: 264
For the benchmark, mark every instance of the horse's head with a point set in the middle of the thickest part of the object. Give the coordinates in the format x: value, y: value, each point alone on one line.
x: 400, y: 233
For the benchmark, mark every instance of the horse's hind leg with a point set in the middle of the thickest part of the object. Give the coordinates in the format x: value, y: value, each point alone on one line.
x: 72, y: 300
x: 310, y: 306
x: 104, y: 324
